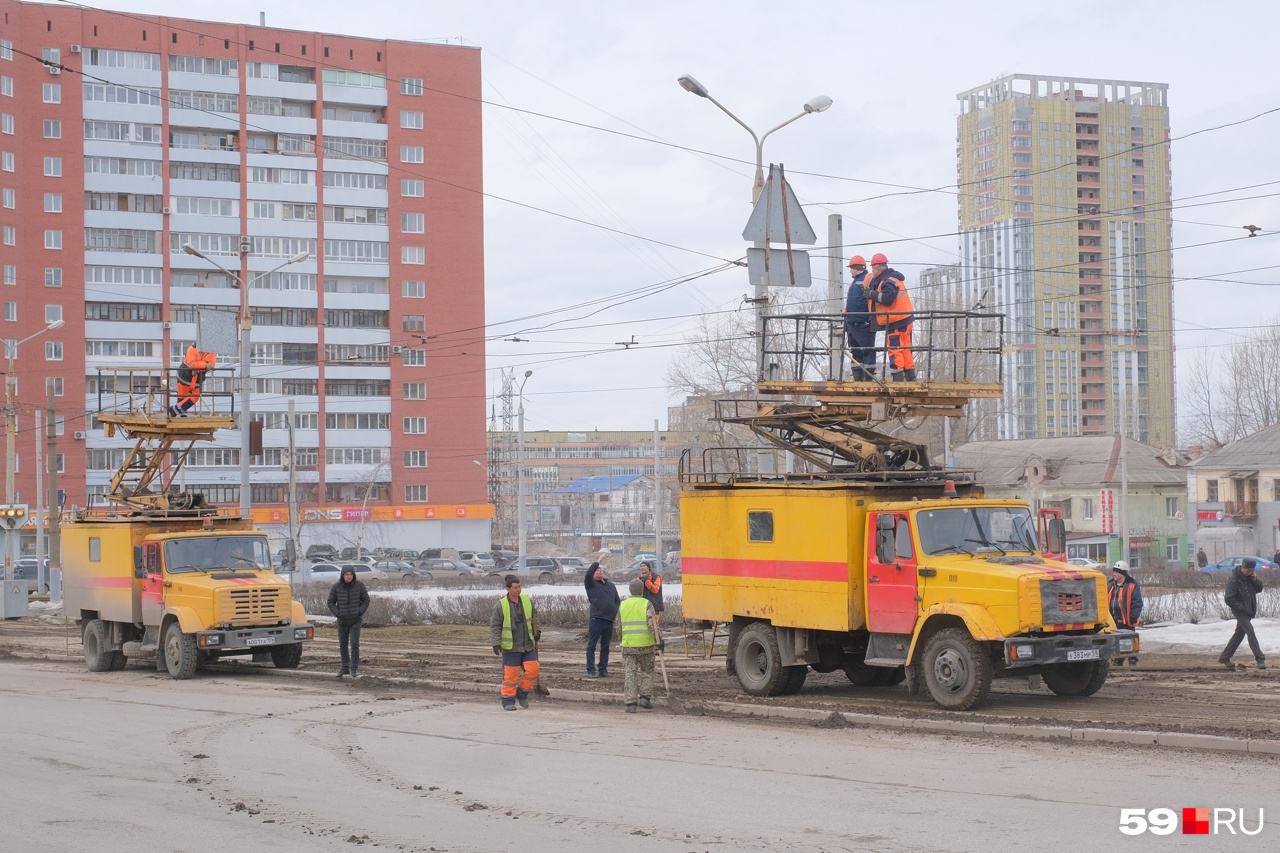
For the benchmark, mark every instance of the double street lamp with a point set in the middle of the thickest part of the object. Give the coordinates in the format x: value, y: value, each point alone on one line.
x: 246, y: 323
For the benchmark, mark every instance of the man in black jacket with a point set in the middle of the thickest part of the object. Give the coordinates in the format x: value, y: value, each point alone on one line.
x: 348, y: 600
x: 1242, y: 598
x: 603, y: 597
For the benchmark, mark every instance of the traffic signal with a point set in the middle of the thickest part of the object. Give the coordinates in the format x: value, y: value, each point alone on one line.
x: 13, y: 516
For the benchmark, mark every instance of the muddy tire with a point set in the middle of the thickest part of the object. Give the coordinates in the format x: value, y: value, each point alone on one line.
x: 1082, y: 678
x: 287, y: 657
x: 118, y: 661
x: 794, y: 681
x: 547, y: 578
x: 866, y: 676
x: 757, y: 661
x: 180, y: 652
x: 957, y: 671
x: 96, y: 656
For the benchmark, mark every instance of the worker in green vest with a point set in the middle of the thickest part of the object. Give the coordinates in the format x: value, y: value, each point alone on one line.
x: 640, y: 638
x: 514, y: 633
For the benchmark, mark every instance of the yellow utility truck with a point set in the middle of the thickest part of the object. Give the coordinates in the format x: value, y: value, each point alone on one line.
x: 161, y: 573
x: 866, y: 559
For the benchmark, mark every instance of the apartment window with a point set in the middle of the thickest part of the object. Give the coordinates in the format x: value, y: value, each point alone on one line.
x: 53, y: 167
x: 412, y: 255
x: 10, y: 197
x: 414, y: 357
x: 411, y: 188
x: 52, y: 314
x: 415, y: 390
x: 413, y: 322
x: 6, y: 52
x: 413, y: 223
x: 52, y: 128
x: 7, y: 160
x: 1171, y: 507
x: 53, y: 239
x: 52, y: 93
x: 10, y: 235
x: 413, y: 289
x: 53, y: 276
x: 11, y: 312
x: 411, y: 86
x: 411, y: 154
x: 6, y: 87
x: 53, y: 350
x: 54, y: 384
x: 11, y: 274
x: 415, y: 426
x: 411, y: 119
x: 1211, y: 491
x: 1172, y: 551
x: 415, y: 494
x: 6, y: 124
x: 1086, y: 507
x: 415, y: 459
x: 53, y: 202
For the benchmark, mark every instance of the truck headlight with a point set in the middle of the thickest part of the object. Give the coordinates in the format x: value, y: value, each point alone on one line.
x: 303, y: 633
x: 1126, y: 645
x: 1025, y: 652
x: 210, y: 639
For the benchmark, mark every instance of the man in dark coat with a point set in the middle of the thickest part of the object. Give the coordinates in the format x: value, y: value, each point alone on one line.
x: 348, y: 600
x: 603, y: 598
x: 1242, y: 598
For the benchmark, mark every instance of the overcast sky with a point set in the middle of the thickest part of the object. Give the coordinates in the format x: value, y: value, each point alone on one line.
x: 893, y: 70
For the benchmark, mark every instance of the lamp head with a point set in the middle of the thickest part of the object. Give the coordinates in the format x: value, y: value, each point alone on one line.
x: 300, y: 257
x: 691, y: 85
x: 528, y: 373
x: 56, y: 324
x: 818, y: 104
x: 191, y: 250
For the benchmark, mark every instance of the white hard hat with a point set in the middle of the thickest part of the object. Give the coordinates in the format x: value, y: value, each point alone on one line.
x: 1120, y: 566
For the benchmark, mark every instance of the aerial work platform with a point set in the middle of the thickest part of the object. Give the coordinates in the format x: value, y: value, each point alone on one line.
x: 136, y: 403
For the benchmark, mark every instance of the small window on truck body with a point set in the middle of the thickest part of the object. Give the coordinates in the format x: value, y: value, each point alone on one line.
x: 760, y: 525
x: 95, y: 549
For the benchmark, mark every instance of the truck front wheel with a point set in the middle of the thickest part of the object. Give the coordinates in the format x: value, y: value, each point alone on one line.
x: 1082, y: 678
x: 96, y: 655
x: 287, y: 657
x: 957, y: 670
x: 757, y: 661
x: 180, y: 652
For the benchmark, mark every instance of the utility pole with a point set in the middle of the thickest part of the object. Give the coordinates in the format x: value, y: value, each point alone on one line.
x: 835, y: 290
x: 298, y: 562
x: 657, y: 494
x: 41, y: 581
x: 55, y: 504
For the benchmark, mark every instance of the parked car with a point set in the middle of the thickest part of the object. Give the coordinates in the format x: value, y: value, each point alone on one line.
x: 1086, y: 563
x: 321, y: 573
x: 1227, y: 564
x: 438, y: 554
x: 436, y: 570
x: 671, y: 560
x: 330, y: 572
x: 573, y: 565
x: 631, y: 572
x: 351, y: 554
x: 28, y: 569
x: 321, y: 553
x: 396, y: 569
x: 537, y: 569
x: 503, y: 558
x: 479, y: 559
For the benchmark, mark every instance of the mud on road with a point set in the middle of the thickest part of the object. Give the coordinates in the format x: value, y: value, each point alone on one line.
x: 1163, y: 693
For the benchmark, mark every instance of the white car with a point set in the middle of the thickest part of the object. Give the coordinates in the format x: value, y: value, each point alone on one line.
x: 479, y: 559
x: 332, y: 572
x: 1086, y: 563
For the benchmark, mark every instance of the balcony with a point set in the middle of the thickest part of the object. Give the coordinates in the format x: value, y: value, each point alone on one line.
x: 1241, y: 509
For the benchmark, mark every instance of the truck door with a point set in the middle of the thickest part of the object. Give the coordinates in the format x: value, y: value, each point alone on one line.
x: 891, y: 574
x: 152, y: 584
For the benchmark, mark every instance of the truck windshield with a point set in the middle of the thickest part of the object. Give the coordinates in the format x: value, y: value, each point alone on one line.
x: 976, y: 529
x: 209, y: 553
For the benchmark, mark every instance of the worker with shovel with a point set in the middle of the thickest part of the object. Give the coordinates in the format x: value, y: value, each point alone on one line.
x: 514, y: 634
x: 640, y: 637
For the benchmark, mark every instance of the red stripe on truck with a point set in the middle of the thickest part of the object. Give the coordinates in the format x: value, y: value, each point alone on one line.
x: 109, y: 583
x: 788, y: 570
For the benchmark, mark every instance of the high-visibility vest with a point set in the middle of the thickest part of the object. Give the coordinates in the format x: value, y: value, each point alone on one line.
x: 507, y: 641
x: 634, y: 615
x: 895, y: 316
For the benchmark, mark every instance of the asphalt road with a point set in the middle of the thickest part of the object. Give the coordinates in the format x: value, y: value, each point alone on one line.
x: 262, y: 760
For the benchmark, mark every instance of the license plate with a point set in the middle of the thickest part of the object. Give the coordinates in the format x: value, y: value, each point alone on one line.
x: 271, y: 641
x: 1083, y: 654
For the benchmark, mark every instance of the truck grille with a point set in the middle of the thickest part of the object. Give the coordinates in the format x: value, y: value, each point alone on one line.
x: 1067, y: 602
x: 252, y: 605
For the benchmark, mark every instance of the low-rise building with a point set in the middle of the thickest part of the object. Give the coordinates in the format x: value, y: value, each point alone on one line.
x: 1237, y: 486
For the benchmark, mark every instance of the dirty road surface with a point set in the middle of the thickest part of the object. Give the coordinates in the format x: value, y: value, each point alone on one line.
x: 259, y: 759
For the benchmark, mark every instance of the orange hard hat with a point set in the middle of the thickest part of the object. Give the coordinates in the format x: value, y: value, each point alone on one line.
x: 879, y: 258
x: 858, y: 260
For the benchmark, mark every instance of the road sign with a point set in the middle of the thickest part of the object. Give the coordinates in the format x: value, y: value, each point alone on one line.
x: 776, y: 267
x: 777, y: 216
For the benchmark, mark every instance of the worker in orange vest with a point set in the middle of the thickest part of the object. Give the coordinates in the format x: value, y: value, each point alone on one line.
x: 190, y: 379
x: 891, y: 306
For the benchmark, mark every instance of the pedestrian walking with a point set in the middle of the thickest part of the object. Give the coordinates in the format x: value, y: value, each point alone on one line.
x: 1242, y: 599
x: 514, y: 634
x: 603, y: 598
x: 859, y: 324
x: 1201, y: 559
x: 893, y: 312
x: 652, y: 588
x: 640, y: 638
x: 348, y: 600
x: 1125, y: 596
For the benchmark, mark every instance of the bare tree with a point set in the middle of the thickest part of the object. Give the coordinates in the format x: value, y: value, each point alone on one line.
x: 1235, y: 393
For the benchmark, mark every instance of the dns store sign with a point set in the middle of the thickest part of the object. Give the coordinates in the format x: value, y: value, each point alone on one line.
x: 1212, y: 821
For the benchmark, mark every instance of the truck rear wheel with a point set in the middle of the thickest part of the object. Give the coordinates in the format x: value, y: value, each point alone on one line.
x: 1082, y: 678
x: 180, y: 652
x: 118, y: 661
x: 795, y: 680
x: 287, y: 657
x: 957, y: 671
x: 96, y: 656
x: 866, y: 676
x: 757, y: 661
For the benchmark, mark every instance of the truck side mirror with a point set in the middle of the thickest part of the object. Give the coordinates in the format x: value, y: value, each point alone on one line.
x: 885, y: 538
x: 139, y: 562
x: 1057, y: 536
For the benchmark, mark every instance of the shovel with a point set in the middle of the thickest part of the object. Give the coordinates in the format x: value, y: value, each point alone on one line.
x: 537, y: 684
x: 672, y: 702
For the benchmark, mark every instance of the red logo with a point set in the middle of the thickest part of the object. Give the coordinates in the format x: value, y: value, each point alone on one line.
x: 1195, y: 821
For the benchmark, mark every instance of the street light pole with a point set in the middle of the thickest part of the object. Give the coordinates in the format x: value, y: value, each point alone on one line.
x: 520, y: 518
x: 246, y: 324
x: 11, y: 430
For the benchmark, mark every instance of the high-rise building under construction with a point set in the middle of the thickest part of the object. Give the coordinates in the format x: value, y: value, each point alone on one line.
x: 1064, y: 197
